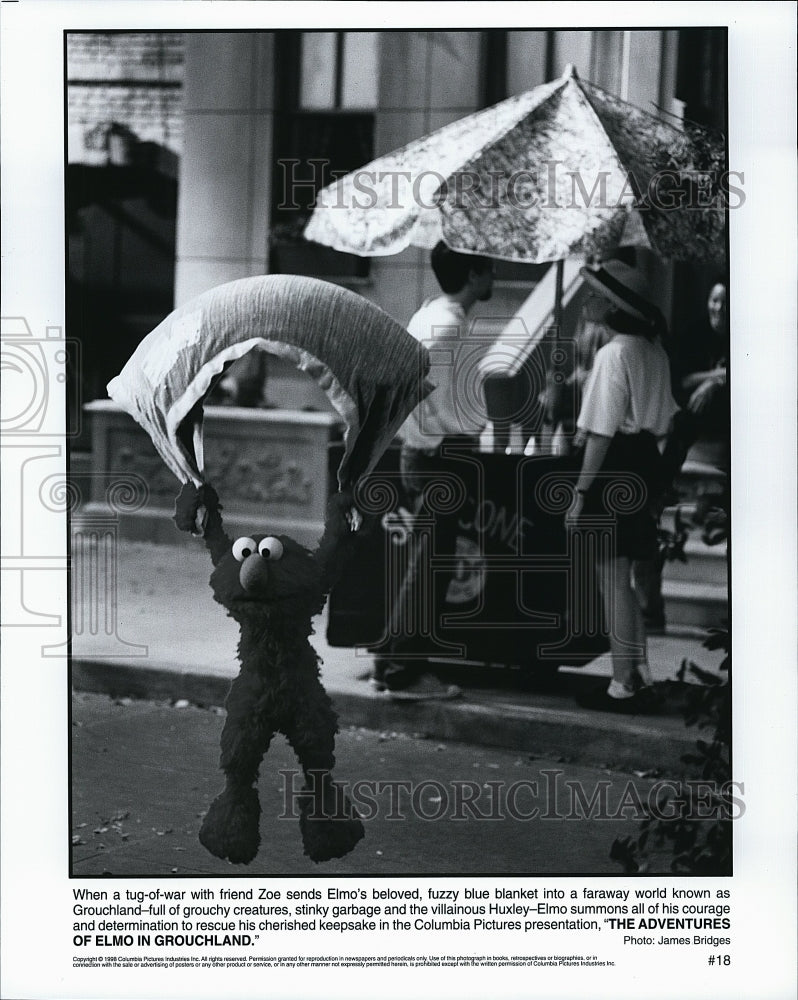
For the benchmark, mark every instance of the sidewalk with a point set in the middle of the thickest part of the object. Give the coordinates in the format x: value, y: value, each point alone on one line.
x: 145, y: 773
x: 174, y: 643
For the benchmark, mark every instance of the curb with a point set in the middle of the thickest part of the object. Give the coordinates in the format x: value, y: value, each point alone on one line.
x: 546, y: 729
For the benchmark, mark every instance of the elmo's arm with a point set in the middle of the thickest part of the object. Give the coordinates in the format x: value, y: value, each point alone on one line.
x: 198, y: 510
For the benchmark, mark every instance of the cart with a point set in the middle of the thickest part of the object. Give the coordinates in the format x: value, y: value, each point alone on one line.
x: 521, y: 592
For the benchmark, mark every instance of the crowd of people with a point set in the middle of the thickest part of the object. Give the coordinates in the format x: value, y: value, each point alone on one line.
x: 643, y: 400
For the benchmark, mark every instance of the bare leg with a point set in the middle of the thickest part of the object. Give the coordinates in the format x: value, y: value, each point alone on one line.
x: 647, y: 575
x: 230, y: 828
x: 624, y: 618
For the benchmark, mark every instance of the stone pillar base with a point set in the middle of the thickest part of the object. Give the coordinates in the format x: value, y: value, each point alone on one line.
x: 269, y: 467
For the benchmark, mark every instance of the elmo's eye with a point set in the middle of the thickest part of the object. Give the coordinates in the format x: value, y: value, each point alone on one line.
x: 271, y: 548
x: 243, y: 547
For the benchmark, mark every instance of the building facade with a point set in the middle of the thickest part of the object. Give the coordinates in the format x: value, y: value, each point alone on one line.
x: 262, y: 119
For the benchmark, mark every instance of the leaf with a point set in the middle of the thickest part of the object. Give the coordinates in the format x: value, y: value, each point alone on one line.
x: 705, y: 676
x: 623, y: 851
x: 717, y: 638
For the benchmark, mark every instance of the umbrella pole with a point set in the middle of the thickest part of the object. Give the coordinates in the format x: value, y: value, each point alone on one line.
x: 554, y: 385
x: 558, y: 299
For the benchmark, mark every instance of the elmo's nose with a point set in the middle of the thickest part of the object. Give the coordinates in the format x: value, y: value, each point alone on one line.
x: 254, y: 574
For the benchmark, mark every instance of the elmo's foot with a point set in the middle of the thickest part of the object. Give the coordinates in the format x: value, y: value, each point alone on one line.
x: 330, y: 827
x: 230, y: 829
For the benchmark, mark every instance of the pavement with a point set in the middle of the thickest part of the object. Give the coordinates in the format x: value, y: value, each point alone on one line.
x: 161, y: 636
x: 151, y: 666
x: 145, y: 772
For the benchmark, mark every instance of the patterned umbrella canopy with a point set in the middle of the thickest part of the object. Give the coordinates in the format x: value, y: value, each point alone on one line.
x: 372, y: 370
x: 562, y: 170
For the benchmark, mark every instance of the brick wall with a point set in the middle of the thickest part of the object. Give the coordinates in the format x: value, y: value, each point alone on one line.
x: 133, y: 79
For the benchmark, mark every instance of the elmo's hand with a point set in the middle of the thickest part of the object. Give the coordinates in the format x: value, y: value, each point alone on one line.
x: 342, y: 511
x: 193, y: 505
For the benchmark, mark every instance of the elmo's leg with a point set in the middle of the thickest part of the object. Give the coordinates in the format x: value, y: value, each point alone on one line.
x: 230, y: 828
x: 329, y: 823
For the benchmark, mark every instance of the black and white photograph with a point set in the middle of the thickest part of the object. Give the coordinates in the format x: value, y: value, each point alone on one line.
x: 507, y: 544
x: 404, y: 454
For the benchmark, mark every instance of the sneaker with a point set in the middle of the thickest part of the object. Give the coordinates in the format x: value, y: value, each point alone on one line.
x: 426, y: 688
x: 389, y: 675
x: 644, y: 701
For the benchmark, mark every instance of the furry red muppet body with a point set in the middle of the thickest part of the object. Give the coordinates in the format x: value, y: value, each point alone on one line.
x: 273, y: 587
x: 374, y: 374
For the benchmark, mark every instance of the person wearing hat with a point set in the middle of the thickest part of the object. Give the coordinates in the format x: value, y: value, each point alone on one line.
x: 626, y: 413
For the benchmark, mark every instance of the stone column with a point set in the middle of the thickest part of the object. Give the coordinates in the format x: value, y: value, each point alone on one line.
x: 427, y: 79
x: 225, y: 175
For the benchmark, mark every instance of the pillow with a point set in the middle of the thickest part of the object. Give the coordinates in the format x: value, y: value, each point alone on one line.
x: 372, y: 370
